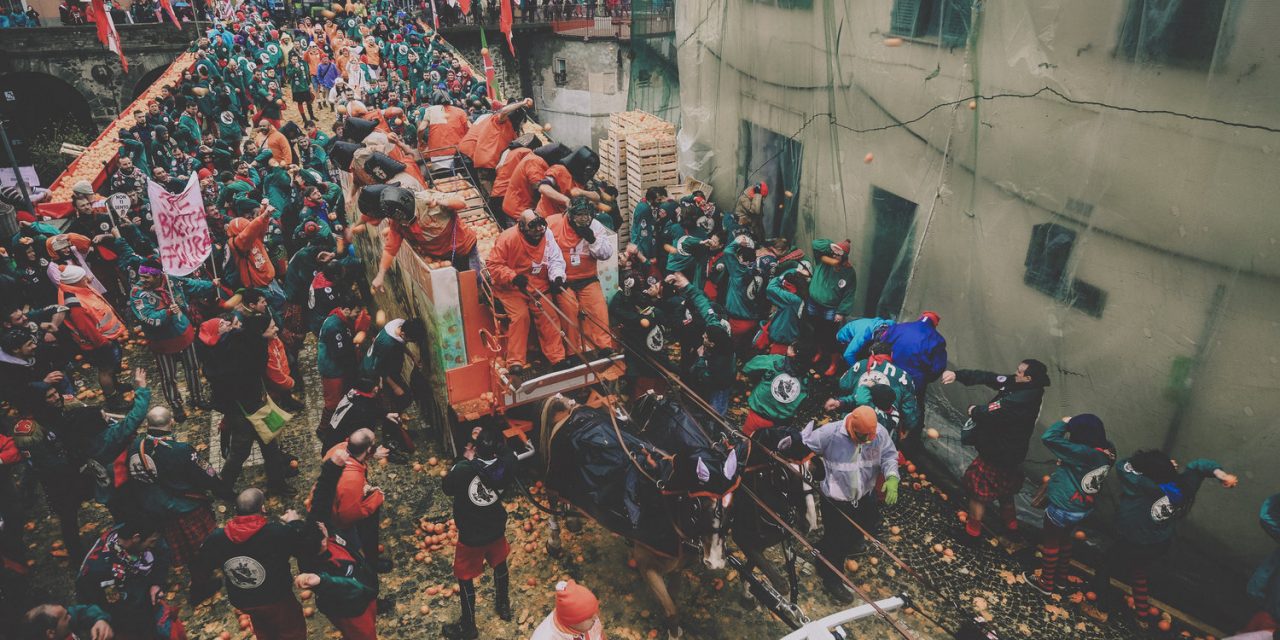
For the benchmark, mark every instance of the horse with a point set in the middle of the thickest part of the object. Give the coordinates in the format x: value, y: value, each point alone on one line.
x: 666, y: 491
x: 787, y: 492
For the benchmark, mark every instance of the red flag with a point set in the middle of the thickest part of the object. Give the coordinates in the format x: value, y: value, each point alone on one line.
x: 465, y: 5
x: 168, y: 8
x: 488, y: 70
x: 107, y: 34
x: 504, y: 24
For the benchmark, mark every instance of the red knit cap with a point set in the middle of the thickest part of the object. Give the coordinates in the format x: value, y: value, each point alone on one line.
x: 575, y: 604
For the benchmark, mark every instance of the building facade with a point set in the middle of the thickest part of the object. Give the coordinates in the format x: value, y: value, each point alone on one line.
x: 1089, y: 183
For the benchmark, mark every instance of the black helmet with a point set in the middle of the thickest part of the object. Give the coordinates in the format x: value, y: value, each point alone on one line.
x: 397, y: 203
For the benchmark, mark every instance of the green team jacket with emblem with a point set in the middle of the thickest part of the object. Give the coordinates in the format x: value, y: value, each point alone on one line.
x: 476, y: 487
x: 642, y: 230
x: 739, y: 284
x: 1145, y: 515
x: 855, y: 393
x: 784, y: 324
x: 168, y: 478
x: 832, y: 287
x: 627, y: 314
x: 1081, y: 471
x: 780, y: 391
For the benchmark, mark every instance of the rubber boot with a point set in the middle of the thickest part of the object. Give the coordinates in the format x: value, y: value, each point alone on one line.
x: 834, y: 365
x: 465, y: 627
x: 501, y: 591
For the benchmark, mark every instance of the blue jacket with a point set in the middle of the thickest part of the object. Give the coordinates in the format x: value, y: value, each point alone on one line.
x: 857, y: 335
x: 918, y: 349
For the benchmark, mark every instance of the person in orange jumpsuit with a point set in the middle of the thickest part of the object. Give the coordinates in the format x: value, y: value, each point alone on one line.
x: 490, y: 136
x: 528, y: 178
x: 431, y: 228
x: 525, y: 261
x: 507, y: 164
x: 444, y: 126
x: 583, y: 241
x: 246, y: 238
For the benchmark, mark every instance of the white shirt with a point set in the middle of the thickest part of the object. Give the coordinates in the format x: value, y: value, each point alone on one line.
x: 549, y: 630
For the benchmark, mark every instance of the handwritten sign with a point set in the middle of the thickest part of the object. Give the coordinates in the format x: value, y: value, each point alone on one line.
x: 180, y: 226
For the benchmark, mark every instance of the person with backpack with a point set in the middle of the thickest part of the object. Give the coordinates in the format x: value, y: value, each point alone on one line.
x: 169, y: 483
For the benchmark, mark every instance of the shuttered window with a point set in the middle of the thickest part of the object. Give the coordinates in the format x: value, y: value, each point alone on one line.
x: 955, y: 22
x: 947, y: 20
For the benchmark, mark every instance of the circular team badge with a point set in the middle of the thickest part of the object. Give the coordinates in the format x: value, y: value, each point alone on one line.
x: 142, y: 468
x: 753, y: 287
x: 656, y: 341
x: 275, y: 50
x: 479, y: 494
x: 244, y: 572
x: 785, y: 388
x: 1091, y: 483
x: 227, y: 118
x: 1162, y: 509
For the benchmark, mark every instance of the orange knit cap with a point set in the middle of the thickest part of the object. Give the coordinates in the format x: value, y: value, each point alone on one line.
x: 861, y: 421
x: 575, y: 604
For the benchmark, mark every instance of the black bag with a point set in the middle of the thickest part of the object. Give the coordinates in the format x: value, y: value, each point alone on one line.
x: 357, y: 129
x: 582, y: 164
x: 342, y: 153
x: 382, y: 167
x: 528, y: 140
x: 291, y: 130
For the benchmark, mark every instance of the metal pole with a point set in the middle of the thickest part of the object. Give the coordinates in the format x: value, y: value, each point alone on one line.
x: 17, y: 173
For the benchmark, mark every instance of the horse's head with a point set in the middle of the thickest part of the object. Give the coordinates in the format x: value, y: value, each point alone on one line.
x: 793, y: 488
x: 716, y: 474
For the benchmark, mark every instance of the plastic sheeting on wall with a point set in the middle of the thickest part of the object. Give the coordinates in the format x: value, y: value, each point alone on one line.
x: 1090, y: 183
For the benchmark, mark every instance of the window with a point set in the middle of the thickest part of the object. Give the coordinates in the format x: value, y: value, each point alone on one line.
x: 644, y: 77
x: 561, y: 71
x: 1046, y: 270
x: 1180, y: 33
x: 788, y: 4
x: 947, y: 20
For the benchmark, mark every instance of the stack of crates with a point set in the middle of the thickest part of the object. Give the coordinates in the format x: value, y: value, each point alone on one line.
x: 638, y: 153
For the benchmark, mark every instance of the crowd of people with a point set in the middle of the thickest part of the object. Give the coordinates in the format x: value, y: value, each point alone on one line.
x: 702, y: 292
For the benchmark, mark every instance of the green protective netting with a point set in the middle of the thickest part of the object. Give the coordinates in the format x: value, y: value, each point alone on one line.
x: 654, y: 84
x: 1086, y: 182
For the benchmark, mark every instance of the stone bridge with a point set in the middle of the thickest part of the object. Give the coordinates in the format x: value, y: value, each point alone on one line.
x: 42, y: 64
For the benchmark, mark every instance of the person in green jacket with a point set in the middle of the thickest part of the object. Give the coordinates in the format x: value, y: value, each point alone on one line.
x: 169, y: 483
x: 1084, y: 458
x: 739, y: 283
x: 787, y: 293
x: 782, y: 386
x: 299, y: 77
x: 878, y: 369
x: 187, y: 131
x: 346, y: 587
x: 1154, y: 496
x: 830, y: 298
x: 86, y: 621
x: 688, y: 249
x: 641, y: 322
